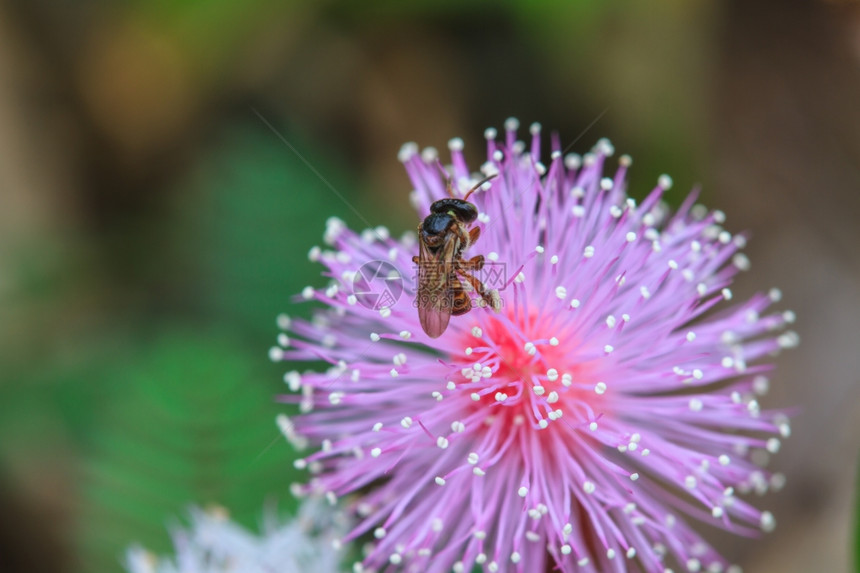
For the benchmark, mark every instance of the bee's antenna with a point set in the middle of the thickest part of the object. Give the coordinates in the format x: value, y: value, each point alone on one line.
x: 449, y: 180
x: 477, y: 185
x: 449, y: 186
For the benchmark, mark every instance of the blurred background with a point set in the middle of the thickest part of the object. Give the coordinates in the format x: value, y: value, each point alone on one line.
x: 153, y: 221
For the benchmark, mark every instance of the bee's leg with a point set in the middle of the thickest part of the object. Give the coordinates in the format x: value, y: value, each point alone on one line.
x: 490, y: 296
x: 463, y: 235
x: 474, y: 233
x: 476, y: 263
x: 416, y: 259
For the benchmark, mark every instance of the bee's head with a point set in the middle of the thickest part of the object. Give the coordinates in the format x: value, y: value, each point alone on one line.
x: 435, y: 227
x: 460, y: 209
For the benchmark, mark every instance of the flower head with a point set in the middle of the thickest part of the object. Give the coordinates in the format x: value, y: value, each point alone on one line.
x: 214, y: 544
x: 612, y: 399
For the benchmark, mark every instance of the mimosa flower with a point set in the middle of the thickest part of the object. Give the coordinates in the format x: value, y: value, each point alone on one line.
x: 612, y: 400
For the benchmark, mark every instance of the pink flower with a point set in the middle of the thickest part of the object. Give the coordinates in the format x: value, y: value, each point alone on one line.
x: 610, y: 401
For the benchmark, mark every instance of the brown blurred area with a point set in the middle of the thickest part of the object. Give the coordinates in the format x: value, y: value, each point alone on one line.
x: 787, y: 163
x: 107, y: 108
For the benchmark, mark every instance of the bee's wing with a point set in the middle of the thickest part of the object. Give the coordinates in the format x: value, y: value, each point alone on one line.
x: 435, y: 297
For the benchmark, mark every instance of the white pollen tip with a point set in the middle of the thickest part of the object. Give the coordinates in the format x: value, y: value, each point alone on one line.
x: 523, y: 491
x: 600, y: 388
x: 767, y: 521
x: 588, y: 487
x: 407, y: 151
x: 530, y: 348
x: 664, y: 181
x: 284, y: 321
x: 631, y: 236
x: 439, y: 480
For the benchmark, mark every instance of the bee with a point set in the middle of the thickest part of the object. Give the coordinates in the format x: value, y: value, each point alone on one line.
x: 443, y: 236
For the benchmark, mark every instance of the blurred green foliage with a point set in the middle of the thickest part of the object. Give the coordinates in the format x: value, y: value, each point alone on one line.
x: 193, y: 425
x: 244, y: 225
x: 176, y: 407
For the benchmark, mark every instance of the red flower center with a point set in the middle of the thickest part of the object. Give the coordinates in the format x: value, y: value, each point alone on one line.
x: 534, y: 375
